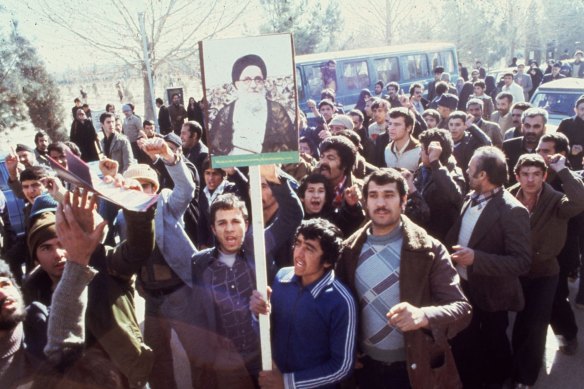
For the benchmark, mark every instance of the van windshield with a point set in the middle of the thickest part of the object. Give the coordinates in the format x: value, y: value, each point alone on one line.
x: 556, y: 103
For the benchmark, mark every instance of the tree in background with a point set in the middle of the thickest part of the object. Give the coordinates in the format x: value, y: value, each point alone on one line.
x: 172, y: 29
x: 315, y: 28
x: 40, y: 91
x: 27, y: 91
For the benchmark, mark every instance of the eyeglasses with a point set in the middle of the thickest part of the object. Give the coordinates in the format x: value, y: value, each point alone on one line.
x: 257, y: 80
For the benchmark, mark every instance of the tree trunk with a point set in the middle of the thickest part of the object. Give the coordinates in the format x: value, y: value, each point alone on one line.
x: 148, y: 108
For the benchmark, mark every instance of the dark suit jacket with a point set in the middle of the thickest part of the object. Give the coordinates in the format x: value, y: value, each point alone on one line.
x: 513, y: 149
x: 502, y: 252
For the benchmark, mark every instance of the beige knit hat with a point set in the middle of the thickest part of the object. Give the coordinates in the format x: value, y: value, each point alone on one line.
x: 144, y: 172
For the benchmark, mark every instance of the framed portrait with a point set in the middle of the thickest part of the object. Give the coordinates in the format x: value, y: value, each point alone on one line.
x: 250, y: 89
x: 171, y: 91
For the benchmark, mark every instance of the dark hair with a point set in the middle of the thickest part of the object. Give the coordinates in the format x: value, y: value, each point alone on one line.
x: 194, y: 128
x: 492, y: 161
x: 33, y: 173
x: 432, y: 112
x: 206, y: 164
x: 380, y: 103
x: 530, y: 159
x: 385, y: 176
x: 310, y: 143
x: 561, y: 141
x: 402, y: 112
x: 441, y: 87
x: 226, y: 202
x: 480, y: 84
x: 106, y: 115
x: 359, y: 114
x: 352, y: 136
x: 393, y: 84
x: 579, y: 101
x: 317, y: 178
x: 74, y: 148
x: 76, y: 100
x: 441, y: 136
x: 244, y: 62
x: 108, y: 106
x: 159, y: 101
x: 327, y: 234
x: 458, y: 115
x: 59, y: 147
x: 414, y: 86
x: 505, y: 95
x: 438, y: 69
x: 523, y: 106
x: 147, y: 123
x: 175, y: 94
x: 40, y: 134
x: 380, y: 83
x: 344, y: 147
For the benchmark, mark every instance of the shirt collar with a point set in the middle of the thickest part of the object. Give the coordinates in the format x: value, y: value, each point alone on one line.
x: 481, y: 199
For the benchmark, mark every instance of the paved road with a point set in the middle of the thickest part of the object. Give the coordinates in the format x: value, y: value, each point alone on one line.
x: 562, y: 371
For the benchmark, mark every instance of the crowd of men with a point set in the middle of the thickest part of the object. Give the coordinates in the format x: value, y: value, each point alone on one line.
x: 396, y: 249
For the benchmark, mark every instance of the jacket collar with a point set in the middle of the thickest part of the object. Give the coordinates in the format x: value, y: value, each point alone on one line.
x: 316, y: 287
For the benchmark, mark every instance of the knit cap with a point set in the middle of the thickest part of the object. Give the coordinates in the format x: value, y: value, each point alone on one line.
x: 144, y: 172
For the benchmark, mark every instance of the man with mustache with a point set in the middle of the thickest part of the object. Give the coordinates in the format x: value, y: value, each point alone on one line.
x: 533, y: 125
x: 337, y: 157
x: 409, y: 295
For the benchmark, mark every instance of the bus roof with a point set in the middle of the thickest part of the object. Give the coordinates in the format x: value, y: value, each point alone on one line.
x: 411, y: 47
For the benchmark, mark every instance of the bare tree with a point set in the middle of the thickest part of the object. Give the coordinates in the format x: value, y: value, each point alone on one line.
x: 173, y: 28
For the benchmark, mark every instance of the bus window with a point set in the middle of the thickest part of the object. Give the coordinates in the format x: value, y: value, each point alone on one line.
x: 448, y: 62
x: 387, y: 69
x: 300, y: 84
x: 434, y: 60
x: 329, y: 75
x: 356, y: 75
x: 314, y: 80
x: 417, y: 67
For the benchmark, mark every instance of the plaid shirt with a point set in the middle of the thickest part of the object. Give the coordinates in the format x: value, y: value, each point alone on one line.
x: 232, y: 288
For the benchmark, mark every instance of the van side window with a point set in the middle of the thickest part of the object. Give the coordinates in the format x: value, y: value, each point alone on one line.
x: 448, y: 62
x: 314, y: 80
x: 356, y: 75
x: 434, y: 60
x: 417, y: 67
x: 387, y: 69
x: 300, y: 84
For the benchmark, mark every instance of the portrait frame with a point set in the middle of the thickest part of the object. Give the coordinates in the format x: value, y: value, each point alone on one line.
x: 250, y: 134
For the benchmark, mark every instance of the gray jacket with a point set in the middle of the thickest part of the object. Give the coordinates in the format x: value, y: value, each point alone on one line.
x: 120, y: 151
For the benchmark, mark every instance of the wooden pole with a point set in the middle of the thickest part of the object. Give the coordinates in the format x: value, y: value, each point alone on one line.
x: 259, y: 245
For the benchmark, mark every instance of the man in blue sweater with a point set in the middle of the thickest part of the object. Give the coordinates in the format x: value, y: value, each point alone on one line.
x: 314, y: 315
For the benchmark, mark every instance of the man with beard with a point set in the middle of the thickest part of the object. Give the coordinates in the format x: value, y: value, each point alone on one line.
x: 393, y: 97
x: 17, y: 339
x: 533, y: 122
x: 41, y: 141
x: 235, y: 128
x: 177, y: 113
x: 501, y: 116
x: 516, y: 112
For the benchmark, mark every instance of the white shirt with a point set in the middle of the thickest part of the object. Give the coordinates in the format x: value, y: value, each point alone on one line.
x: 516, y: 91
